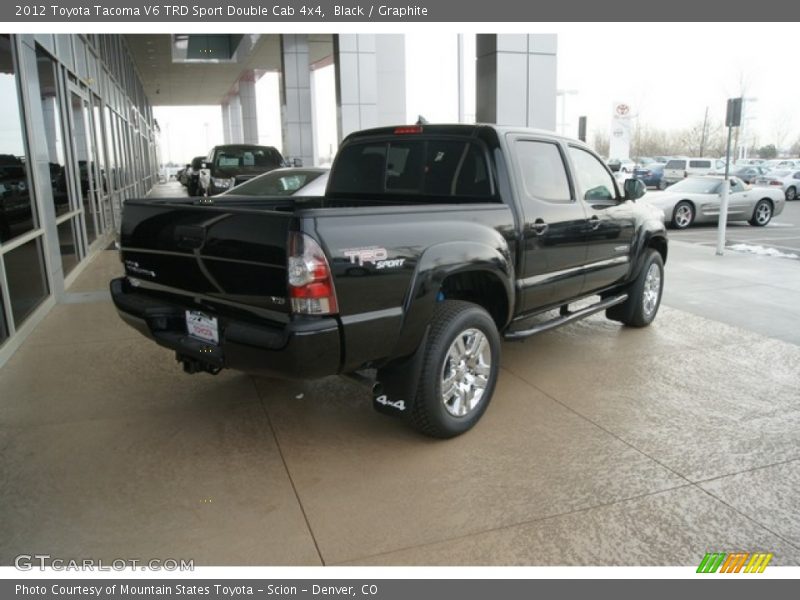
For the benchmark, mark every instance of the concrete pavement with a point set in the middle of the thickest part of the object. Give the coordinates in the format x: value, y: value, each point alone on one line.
x: 603, y: 445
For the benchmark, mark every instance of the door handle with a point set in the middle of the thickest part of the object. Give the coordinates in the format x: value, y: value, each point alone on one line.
x: 594, y: 222
x: 540, y: 227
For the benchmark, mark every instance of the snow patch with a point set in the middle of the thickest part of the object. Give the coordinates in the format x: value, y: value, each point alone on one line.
x: 761, y: 251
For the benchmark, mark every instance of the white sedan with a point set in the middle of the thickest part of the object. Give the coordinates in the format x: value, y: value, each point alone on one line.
x: 697, y: 200
x: 786, y: 180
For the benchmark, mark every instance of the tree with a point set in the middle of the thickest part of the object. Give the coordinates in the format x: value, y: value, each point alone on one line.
x: 600, y: 143
x: 768, y: 151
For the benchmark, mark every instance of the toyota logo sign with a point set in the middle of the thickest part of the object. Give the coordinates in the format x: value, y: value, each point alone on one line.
x: 622, y: 110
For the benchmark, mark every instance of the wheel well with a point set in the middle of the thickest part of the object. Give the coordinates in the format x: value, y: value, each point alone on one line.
x: 689, y: 202
x: 482, y: 288
x: 659, y: 244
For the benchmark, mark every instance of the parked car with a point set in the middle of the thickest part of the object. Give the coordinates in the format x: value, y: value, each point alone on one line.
x: 291, y: 181
x: 624, y: 165
x: 232, y: 164
x: 786, y: 180
x: 698, y: 200
x: 421, y: 255
x: 652, y: 175
x: 749, y: 174
x: 681, y: 168
x: 192, y: 175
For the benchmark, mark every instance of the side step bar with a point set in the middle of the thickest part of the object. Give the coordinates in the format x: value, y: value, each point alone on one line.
x: 567, y: 317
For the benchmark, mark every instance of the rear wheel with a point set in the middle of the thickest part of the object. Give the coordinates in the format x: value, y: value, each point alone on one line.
x: 644, y: 294
x: 662, y: 185
x: 459, y: 371
x: 791, y: 194
x: 683, y: 215
x: 762, y: 213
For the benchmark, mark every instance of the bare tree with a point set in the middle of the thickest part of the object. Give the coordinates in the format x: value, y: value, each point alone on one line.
x: 600, y: 142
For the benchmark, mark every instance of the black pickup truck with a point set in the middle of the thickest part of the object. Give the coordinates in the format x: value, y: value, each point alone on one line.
x: 431, y: 244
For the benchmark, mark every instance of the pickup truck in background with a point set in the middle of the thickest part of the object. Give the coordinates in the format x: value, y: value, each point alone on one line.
x: 431, y: 244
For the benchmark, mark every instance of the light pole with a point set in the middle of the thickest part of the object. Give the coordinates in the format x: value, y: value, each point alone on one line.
x: 563, y: 94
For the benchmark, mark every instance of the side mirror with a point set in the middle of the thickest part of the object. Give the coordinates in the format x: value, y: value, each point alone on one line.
x: 634, y: 189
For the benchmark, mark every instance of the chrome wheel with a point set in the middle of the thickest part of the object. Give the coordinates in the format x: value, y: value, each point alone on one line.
x: 465, y: 372
x: 763, y: 213
x: 683, y: 215
x: 651, y: 291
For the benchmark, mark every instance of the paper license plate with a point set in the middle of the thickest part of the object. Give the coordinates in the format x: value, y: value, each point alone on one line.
x: 202, y: 326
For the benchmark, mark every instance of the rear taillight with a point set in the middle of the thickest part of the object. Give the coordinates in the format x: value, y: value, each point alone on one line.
x: 310, y: 282
x: 776, y: 183
x: 685, y: 174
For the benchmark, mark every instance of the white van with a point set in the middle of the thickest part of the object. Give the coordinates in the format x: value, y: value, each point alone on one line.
x: 678, y: 169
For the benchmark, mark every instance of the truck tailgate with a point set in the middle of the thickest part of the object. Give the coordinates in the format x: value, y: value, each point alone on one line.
x: 232, y: 251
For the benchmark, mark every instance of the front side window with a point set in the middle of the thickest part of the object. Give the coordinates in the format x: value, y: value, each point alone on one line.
x: 594, y: 180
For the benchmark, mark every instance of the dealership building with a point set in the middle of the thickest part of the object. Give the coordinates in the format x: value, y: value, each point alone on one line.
x: 78, y: 136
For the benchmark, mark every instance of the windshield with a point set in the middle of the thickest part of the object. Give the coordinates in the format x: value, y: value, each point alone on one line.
x: 231, y: 157
x: 697, y: 185
x: 779, y: 173
x: 276, y: 183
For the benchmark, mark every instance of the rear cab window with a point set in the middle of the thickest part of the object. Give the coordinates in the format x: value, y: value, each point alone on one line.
x: 700, y: 164
x: 444, y: 167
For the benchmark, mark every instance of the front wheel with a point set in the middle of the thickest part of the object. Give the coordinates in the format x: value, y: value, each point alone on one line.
x: 791, y: 194
x: 459, y: 371
x: 662, y: 185
x: 762, y: 213
x: 644, y: 294
x: 683, y: 215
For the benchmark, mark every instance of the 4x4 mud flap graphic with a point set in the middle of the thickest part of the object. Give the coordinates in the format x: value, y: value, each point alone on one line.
x: 396, y: 384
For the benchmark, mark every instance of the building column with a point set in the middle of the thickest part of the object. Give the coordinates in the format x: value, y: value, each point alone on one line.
x: 226, y: 122
x: 390, y: 54
x: 356, y: 82
x: 516, y: 79
x: 296, y: 108
x: 235, y: 120
x: 247, y: 101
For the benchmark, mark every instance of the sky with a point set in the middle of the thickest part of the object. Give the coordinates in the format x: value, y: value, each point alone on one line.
x: 668, y: 73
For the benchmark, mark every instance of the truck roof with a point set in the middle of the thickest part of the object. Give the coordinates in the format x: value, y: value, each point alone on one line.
x: 463, y: 129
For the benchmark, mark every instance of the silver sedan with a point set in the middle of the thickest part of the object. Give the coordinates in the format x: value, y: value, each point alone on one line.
x: 698, y: 199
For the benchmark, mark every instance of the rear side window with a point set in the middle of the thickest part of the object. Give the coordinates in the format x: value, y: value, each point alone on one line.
x: 445, y: 167
x: 543, y: 173
x: 700, y: 164
x: 675, y: 164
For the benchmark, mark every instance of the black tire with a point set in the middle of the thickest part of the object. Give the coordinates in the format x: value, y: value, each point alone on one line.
x: 682, y: 215
x: 431, y: 414
x: 762, y: 213
x: 635, y: 312
x: 791, y: 193
x: 662, y: 185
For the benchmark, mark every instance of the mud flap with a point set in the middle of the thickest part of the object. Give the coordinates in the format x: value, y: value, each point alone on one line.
x: 395, y: 389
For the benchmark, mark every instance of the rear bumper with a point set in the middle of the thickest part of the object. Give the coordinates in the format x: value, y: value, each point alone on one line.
x: 302, y: 349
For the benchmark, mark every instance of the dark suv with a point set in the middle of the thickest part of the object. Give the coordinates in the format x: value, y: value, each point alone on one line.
x: 229, y: 165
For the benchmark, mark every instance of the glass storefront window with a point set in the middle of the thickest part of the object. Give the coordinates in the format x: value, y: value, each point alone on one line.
x: 83, y: 153
x: 3, y: 328
x: 27, y: 285
x: 16, y: 204
x: 66, y: 243
x: 53, y: 131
